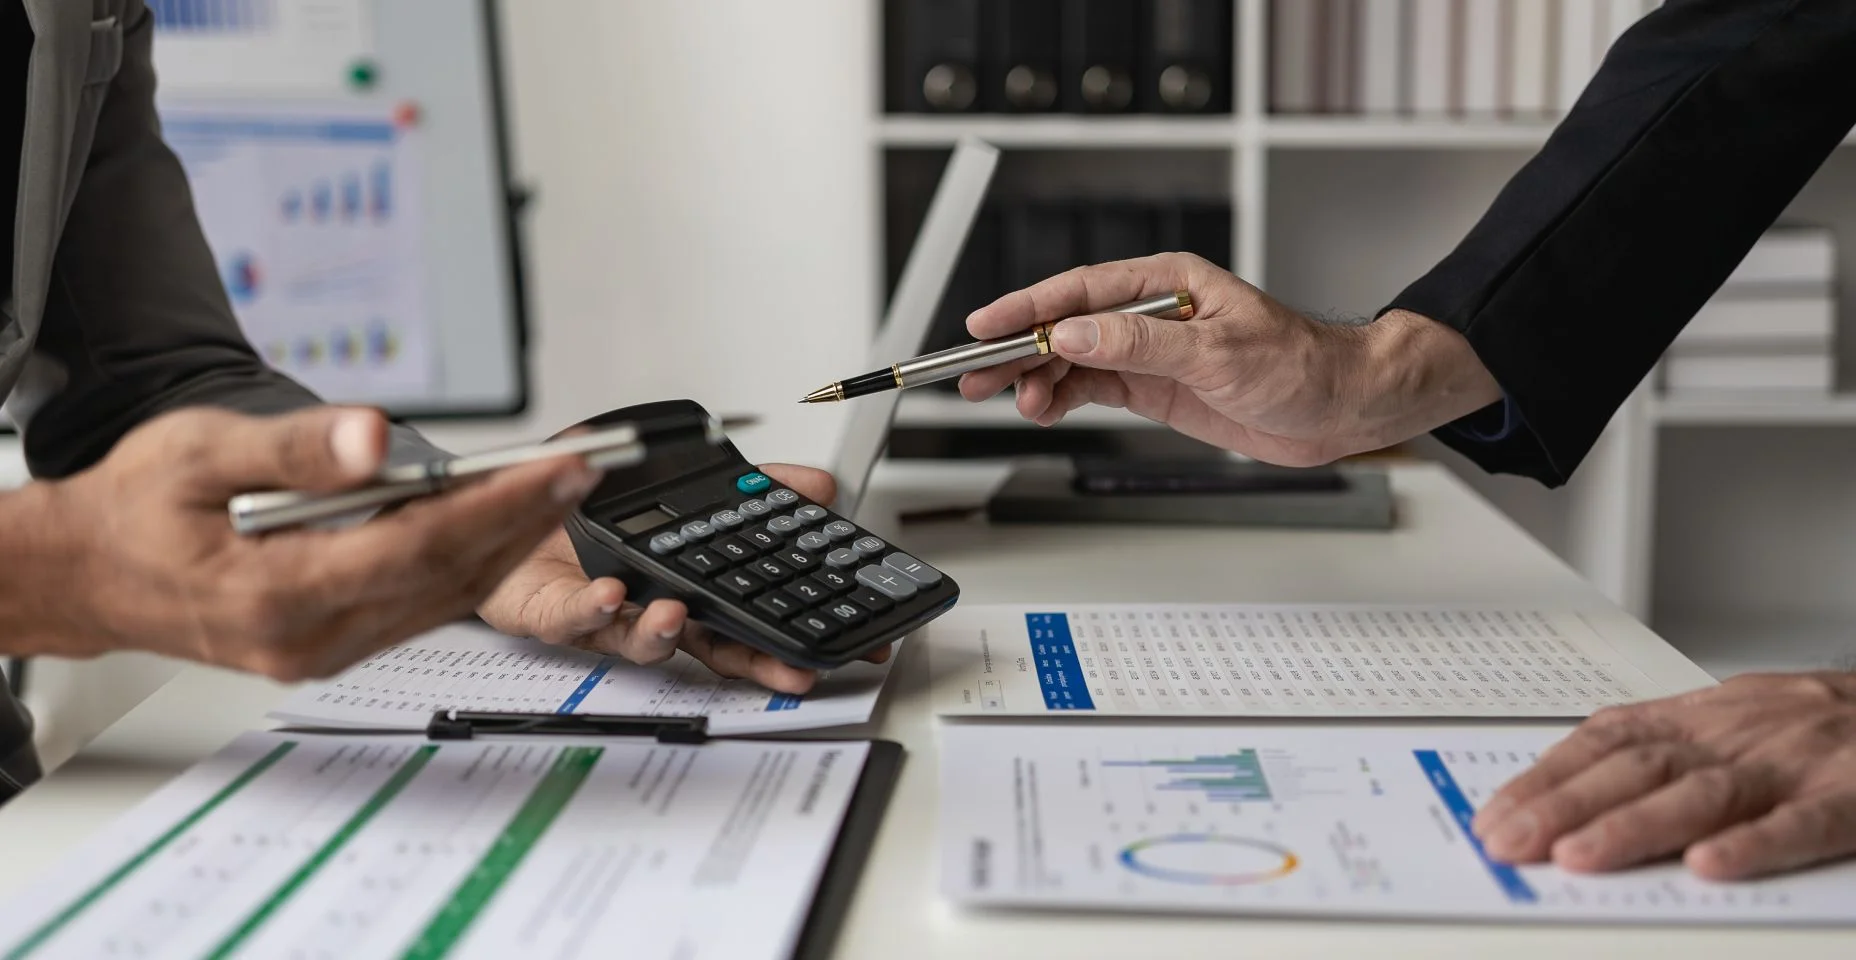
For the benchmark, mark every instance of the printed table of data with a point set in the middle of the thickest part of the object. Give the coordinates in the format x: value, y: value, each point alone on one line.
x: 470, y: 668
x: 1277, y: 661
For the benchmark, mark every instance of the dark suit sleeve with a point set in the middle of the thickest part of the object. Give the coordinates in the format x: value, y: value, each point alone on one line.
x: 1704, y: 121
x: 137, y: 321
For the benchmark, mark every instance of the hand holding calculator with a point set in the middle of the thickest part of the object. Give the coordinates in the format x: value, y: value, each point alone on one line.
x: 753, y: 561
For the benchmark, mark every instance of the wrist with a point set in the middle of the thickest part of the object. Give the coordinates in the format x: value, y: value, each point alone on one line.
x: 43, y: 586
x: 1418, y: 375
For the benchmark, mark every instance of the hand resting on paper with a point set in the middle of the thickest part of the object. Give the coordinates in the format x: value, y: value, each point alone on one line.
x: 549, y: 597
x: 1752, y: 777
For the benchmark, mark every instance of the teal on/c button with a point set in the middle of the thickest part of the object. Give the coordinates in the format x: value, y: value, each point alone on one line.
x: 753, y: 483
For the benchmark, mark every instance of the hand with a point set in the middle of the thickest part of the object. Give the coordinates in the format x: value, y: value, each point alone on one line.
x: 147, y: 557
x: 549, y: 597
x: 1245, y: 373
x: 1754, y: 776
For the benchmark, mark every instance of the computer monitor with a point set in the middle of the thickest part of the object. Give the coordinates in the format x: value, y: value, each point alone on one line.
x: 924, y: 280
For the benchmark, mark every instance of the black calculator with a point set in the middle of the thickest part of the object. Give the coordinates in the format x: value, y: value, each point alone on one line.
x: 755, y: 562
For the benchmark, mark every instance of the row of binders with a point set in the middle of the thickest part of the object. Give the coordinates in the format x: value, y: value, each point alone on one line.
x: 1770, y: 329
x: 1478, y: 58
x: 1045, y: 56
x: 1016, y: 243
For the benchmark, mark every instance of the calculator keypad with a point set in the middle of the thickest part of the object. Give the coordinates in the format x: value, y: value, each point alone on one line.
x: 794, y: 564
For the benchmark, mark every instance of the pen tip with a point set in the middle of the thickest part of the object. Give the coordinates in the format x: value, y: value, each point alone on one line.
x: 823, y: 394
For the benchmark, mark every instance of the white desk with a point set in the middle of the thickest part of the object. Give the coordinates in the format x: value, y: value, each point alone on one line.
x: 1450, y: 547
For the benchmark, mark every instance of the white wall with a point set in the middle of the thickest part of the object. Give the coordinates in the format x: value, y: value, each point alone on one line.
x: 705, y: 223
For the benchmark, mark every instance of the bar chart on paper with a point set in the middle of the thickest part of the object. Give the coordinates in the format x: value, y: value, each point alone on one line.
x: 246, y: 46
x: 472, y: 668
x: 1275, y: 660
x: 1291, y: 820
x: 327, y: 846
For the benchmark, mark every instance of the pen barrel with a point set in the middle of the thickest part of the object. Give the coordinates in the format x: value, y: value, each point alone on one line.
x: 968, y: 357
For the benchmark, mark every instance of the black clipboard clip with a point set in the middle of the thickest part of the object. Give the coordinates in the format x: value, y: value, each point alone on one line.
x: 465, y: 724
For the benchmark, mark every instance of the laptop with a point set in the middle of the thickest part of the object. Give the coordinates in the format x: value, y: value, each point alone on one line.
x: 951, y: 215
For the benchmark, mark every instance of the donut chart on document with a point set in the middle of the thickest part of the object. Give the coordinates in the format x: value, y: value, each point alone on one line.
x: 1208, y: 859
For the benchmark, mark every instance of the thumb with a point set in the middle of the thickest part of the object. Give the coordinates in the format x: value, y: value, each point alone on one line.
x: 1129, y: 342
x: 319, y: 449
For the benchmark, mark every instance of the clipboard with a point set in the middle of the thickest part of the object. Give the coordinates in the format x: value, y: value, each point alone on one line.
x: 844, y: 865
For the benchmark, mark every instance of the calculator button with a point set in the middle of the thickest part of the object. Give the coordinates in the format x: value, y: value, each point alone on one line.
x: 808, y: 591
x: 848, y: 613
x: 887, y: 582
x: 837, y: 581
x: 760, y: 540
x: 814, y: 541
x: 782, y: 498
x: 753, y: 508
x: 810, y: 513
x: 868, y: 546
x: 725, y: 520
x: 740, y: 584
x: 840, y: 530
x: 777, y: 605
x: 734, y: 548
x: 816, y: 626
x: 669, y: 541
x: 782, y: 526
x: 771, y: 571
x: 871, y: 600
x: 842, y: 558
x: 797, y: 559
x: 912, y: 568
x: 702, y: 560
x: 752, y: 483
x: 697, y: 531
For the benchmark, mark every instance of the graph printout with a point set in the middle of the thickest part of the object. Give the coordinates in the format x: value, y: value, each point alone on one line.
x: 263, y: 46
x: 364, y: 847
x: 313, y: 215
x: 1291, y: 820
x: 463, y: 667
x: 1275, y: 660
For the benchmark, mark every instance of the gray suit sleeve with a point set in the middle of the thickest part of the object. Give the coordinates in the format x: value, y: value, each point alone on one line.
x: 137, y: 322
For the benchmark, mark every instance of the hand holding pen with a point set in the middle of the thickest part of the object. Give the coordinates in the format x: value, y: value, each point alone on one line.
x: 969, y: 357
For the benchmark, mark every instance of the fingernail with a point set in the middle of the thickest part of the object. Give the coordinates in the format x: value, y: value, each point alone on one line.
x: 670, y: 636
x: 573, y: 487
x: 1578, y: 846
x: 1513, y: 835
x: 352, y: 444
x: 1489, y: 816
x: 608, y: 608
x: 1076, y: 336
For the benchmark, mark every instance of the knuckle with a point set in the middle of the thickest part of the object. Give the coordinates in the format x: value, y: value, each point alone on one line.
x: 1718, y: 786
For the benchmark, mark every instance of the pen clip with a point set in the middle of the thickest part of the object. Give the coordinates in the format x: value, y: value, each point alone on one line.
x: 465, y: 724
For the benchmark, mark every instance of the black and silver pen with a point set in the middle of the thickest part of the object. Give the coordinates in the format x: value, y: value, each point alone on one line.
x: 955, y: 361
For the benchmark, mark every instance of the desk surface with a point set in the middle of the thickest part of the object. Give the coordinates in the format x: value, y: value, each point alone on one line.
x: 1450, y: 546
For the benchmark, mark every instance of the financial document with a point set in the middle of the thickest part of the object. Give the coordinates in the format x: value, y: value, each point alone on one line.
x: 464, y: 667
x: 1275, y: 660
x: 269, y: 46
x: 1291, y: 820
x: 329, y: 846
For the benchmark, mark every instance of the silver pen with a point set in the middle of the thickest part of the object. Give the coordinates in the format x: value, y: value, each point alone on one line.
x: 968, y: 357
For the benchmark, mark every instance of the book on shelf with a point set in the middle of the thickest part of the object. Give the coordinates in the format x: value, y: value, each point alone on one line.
x: 1762, y: 322
x: 1772, y: 326
x: 1521, y: 59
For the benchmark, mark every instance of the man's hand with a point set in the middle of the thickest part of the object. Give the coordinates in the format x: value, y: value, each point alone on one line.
x: 1245, y: 373
x: 1754, y: 776
x: 138, y: 552
x: 549, y: 598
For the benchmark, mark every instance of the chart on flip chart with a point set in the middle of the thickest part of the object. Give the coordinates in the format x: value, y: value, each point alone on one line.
x: 328, y: 846
x: 1275, y: 660
x: 1343, y: 821
x: 467, y: 667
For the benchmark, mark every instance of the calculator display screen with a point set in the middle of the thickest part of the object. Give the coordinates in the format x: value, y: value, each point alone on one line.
x: 639, y: 523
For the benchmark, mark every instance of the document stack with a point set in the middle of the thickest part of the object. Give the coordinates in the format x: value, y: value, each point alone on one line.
x: 1490, y: 58
x: 1772, y: 327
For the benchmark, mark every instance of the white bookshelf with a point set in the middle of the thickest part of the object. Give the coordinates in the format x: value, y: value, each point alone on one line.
x: 1337, y: 213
